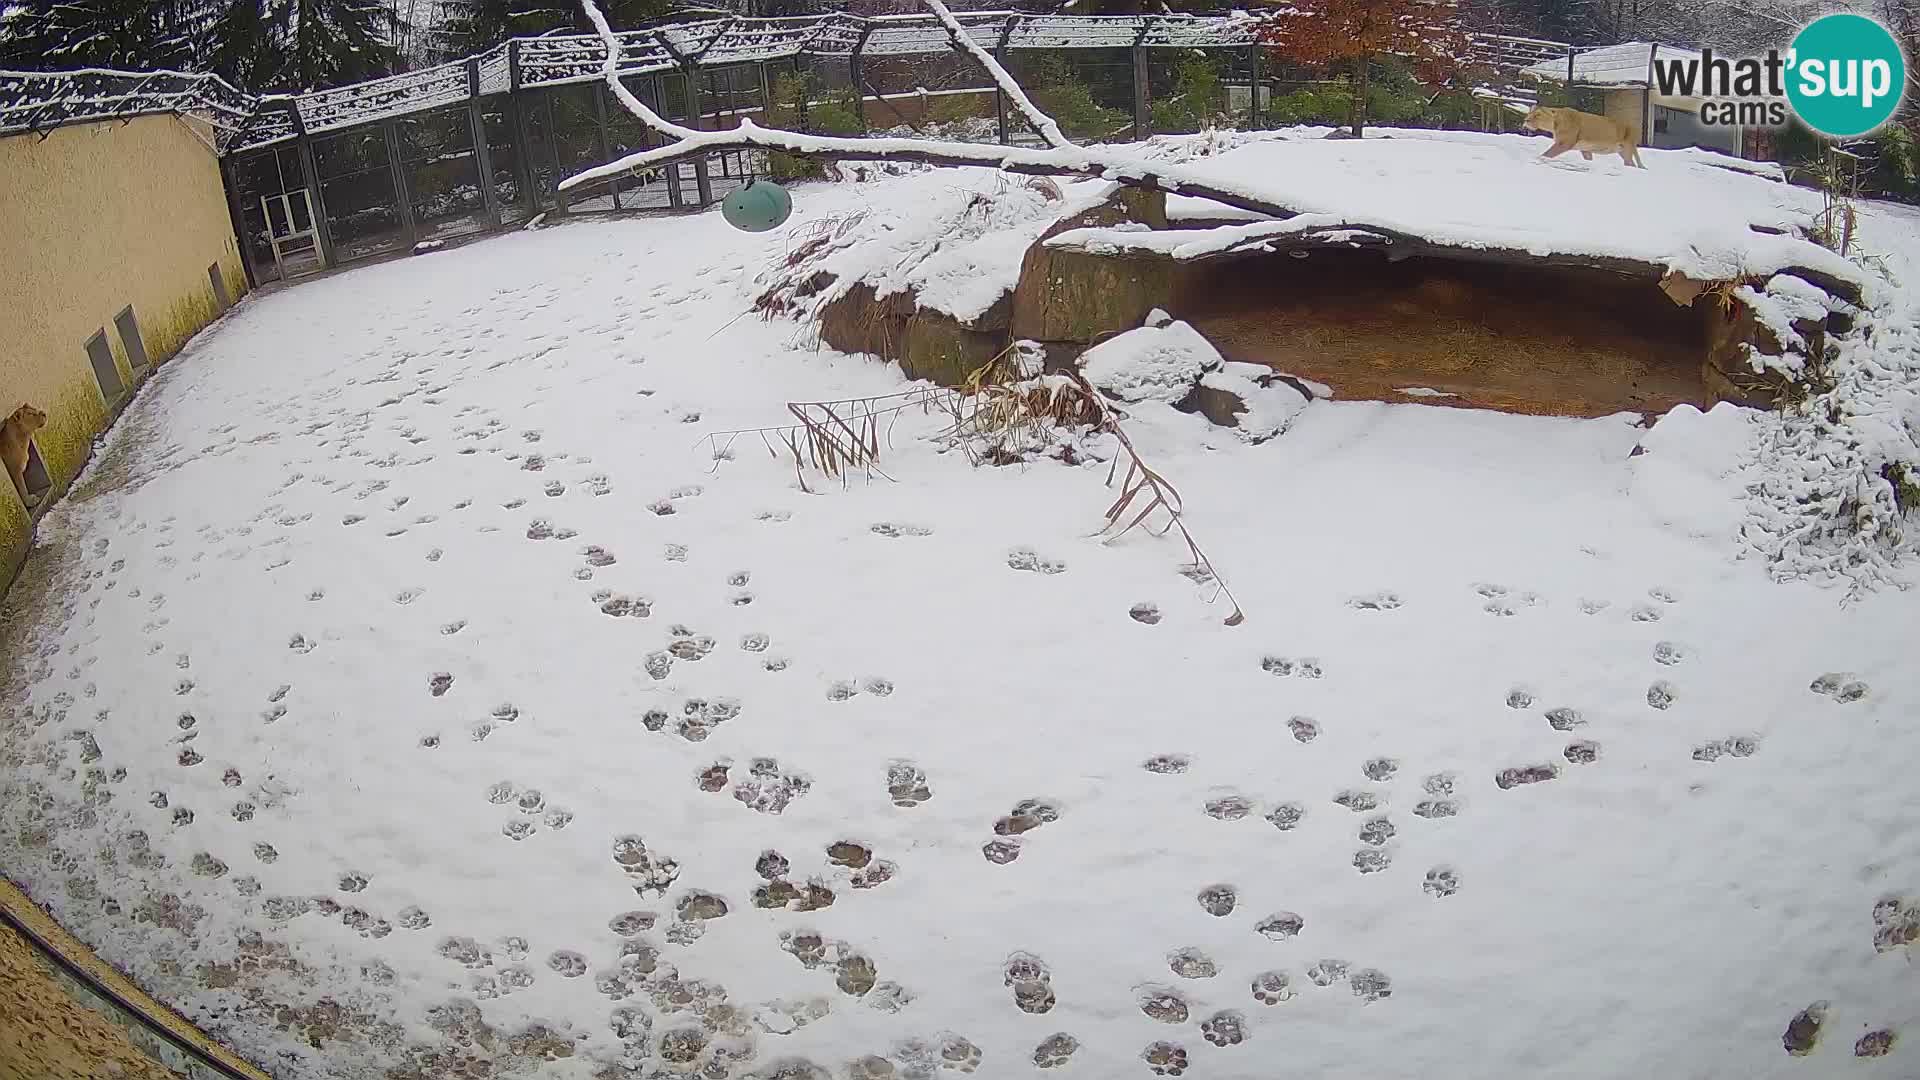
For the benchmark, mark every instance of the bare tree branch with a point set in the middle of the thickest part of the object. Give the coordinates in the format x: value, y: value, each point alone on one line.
x: 1049, y: 130
x: 1062, y: 159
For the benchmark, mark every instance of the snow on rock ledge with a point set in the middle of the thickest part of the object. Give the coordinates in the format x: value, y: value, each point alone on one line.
x: 1170, y: 362
x: 1160, y: 361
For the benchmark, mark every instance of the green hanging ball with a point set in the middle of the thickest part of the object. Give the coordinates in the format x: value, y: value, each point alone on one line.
x: 758, y: 207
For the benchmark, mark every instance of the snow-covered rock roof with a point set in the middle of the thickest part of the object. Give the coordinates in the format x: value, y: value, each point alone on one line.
x: 1469, y: 190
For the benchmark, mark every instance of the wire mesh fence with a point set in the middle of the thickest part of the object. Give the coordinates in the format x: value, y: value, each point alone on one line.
x: 484, y: 143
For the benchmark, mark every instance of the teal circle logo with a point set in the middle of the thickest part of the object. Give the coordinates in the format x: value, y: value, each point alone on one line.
x: 1847, y: 75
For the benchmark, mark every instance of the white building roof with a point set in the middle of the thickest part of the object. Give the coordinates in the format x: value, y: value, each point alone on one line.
x: 1625, y: 65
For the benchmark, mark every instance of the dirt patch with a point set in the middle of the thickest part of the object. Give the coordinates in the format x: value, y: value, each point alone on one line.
x: 1561, y: 342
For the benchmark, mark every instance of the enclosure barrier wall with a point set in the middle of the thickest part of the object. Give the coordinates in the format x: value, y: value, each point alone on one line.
x: 383, y: 166
x: 119, y: 247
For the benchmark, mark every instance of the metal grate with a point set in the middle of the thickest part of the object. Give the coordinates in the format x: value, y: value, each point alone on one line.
x: 130, y: 340
x: 106, y: 373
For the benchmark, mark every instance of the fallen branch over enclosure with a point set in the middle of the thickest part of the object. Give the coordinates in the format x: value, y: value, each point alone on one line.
x: 1062, y: 158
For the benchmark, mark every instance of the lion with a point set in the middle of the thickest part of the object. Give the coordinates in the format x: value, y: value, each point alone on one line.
x: 15, y: 433
x: 1575, y: 130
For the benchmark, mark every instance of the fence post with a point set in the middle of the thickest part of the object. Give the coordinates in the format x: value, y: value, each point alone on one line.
x: 672, y: 172
x: 859, y: 80
x: 310, y: 176
x: 230, y: 179
x: 409, y: 230
x: 600, y: 119
x: 517, y: 115
x: 1646, y: 98
x: 1253, y: 106
x: 999, y: 92
x: 702, y: 182
x: 1142, y: 112
x: 482, y: 154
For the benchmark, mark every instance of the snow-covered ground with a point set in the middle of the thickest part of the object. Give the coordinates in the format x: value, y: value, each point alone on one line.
x: 407, y: 688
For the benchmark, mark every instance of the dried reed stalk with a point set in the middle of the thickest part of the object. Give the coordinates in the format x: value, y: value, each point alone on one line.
x: 998, y: 408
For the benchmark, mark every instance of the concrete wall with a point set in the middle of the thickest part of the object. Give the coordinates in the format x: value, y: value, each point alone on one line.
x: 95, y: 217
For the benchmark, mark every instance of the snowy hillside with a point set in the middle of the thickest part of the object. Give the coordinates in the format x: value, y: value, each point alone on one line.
x: 406, y: 691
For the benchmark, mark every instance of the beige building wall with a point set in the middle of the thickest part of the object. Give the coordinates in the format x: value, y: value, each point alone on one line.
x: 1626, y: 107
x: 94, y: 217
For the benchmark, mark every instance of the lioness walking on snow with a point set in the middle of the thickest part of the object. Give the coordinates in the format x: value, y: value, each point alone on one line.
x: 1585, y: 132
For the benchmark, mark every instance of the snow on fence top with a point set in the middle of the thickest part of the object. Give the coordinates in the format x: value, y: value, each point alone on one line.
x: 36, y: 101
x: 40, y: 101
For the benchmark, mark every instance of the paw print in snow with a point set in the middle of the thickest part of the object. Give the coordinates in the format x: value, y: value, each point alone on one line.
x: 1191, y: 963
x: 1371, y: 860
x: 1358, y: 801
x: 1167, y: 764
x: 1661, y: 694
x: 1218, y: 900
x: 1272, y: 987
x: 1225, y: 1028
x: 1163, y: 1004
x: 1144, y: 612
x: 1519, y: 698
x: 1370, y: 985
x: 1286, y: 816
x: 1327, y: 972
x: 1165, y: 1058
x: 1564, y: 719
x: 1304, y: 729
x: 1054, y: 1050
x: 1028, y: 559
x: 894, y: 530
x: 1229, y: 807
x: 1380, y: 768
x: 1380, y: 601
x: 1027, y: 815
x: 907, y: 784
x: 439, y: 683
x: 1377, y: 831
x: 1582, y: 752
x: 1668, y: 653
x: 1841, y: 686
x: 1031, y: 981
x: 1281, y: 925
x: 1442, y: 881
x: 1524, y: 774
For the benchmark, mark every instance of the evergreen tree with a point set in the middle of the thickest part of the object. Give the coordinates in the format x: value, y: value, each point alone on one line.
x: 49, y: 35
x: 325, y: 43
x: 238, y: 44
